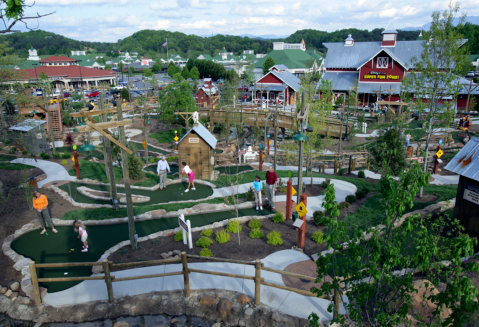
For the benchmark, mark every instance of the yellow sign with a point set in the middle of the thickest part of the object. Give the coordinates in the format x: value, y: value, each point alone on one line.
x: 301, y: 209
x: 262, y: 156
x: 294, y: 191
x: 213, y: 107
x: 73, y: 159
x: 439, y: 153
x: 144, y: 144
x: 176, y: 138
x: 388, y: 77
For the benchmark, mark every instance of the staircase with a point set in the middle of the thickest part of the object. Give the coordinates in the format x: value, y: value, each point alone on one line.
x: 55, y: 123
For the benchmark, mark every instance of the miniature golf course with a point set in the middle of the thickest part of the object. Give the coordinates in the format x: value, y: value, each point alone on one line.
x: 54, y: 248
x: 233, y: 170
x: 139, y: 146
x: 173, y: 168
x: 174, y: 192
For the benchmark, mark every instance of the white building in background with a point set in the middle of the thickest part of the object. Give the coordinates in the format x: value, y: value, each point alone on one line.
x: 78, y: 53
x: 32, y: 54
x: 286, y: 46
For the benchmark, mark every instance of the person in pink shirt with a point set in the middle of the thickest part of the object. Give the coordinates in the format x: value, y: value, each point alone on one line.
x: 191, y: 176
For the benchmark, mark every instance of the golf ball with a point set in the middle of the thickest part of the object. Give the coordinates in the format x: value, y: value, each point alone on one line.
x: 65, y: 274
x: 181, y: 193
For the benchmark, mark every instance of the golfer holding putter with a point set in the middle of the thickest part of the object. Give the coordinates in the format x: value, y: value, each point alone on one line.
x: 271, y: 183
x: 40, y: 203
x: 161, y: 170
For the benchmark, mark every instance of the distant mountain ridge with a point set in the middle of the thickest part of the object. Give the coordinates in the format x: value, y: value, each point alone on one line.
x: 469, y: 19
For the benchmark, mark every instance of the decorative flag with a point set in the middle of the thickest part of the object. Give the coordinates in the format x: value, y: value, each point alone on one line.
x: 164, y: 44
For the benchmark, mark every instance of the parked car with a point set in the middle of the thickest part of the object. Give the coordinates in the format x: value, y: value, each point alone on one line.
x: 470, y: 74
x: 67, y: 94
x: 119, y: 87
x: 56, y: 93
x: 37, y: 92
x: 93, y: 94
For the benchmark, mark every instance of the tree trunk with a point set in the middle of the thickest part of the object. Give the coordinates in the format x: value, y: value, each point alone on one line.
x: 421, y: 190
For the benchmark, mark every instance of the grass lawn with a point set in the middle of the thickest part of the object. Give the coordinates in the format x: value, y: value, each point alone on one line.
x: 4, y: 157
x: 14, y: 166
x: 449, y: 155
x: 415, y: 124
x: 96, y: 171
x: 167, y: 136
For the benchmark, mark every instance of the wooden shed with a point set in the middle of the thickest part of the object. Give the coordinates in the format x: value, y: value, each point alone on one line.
x: 196, y: 148
x: 466, y: 164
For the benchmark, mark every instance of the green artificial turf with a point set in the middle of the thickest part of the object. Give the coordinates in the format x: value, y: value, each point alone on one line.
x: 218, y: 151
x: 97, y: 153
x: 232, y: 170
x: 54, y: 248
x: 173, y: 169
x: 139, y: 146
x: 168, y: 136
x: 415, y: 124
x: 96, y: 171
x: 14, y: 166
x: 7, y: 158
x: 450, y: 155
x: 174, y: 192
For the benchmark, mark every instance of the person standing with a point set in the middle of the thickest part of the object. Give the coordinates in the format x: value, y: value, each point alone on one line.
x: 191, y: 176
x: 161, y: 170
x: 271, y: 183
x: 408, y: 139
x: 40, y: 203
x: 257, y: 188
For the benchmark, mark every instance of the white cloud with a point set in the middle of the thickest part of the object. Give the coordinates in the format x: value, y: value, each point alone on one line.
x: 79, y: 2
x: 203, y: 25
x: 162, y: 6
x: 157, y: 25
x: 261, y: 11
x: 174, y: 15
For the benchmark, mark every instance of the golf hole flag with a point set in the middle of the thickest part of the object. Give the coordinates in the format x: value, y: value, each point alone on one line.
x: 301, y: 209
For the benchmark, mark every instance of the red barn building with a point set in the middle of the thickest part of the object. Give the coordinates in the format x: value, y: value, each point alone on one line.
x: 278, y: 85
x: 377, y: 66
x: 208, y: 94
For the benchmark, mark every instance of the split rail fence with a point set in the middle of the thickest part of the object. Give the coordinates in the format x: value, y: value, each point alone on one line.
x: 110, y: 279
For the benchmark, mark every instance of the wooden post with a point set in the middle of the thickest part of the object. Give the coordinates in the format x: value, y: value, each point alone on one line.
x: 109, y: 286
x: 354, y: 164
x: 335, y: 165
x: 260, y: 160
x: 369, y: 158
x: 145, y: 119
x: 186, y: 277
x: 126, y: 178
x: 276, y: 135
x: 289, y: 198
x: 336, y: 304
x: 302, y: 230
x: 36, y: 289
x: 257, y: 283
x: 77, y: 164
x: 350, y: 166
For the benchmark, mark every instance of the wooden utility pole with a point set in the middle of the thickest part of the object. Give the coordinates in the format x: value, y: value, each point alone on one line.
x: 126, y: 179
x: 276, y: 134
x: 469, y: 88
x: 145, y: 119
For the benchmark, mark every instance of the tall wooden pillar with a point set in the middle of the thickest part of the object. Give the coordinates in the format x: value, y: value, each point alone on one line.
x: 302, y: 230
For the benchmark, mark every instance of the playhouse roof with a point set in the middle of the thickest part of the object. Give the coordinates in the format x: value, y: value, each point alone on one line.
x: 27, y: 125
x: 204, y: 133
x: 466, y: 162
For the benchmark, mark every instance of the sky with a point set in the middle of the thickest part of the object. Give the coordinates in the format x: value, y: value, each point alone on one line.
x: 110, y: 20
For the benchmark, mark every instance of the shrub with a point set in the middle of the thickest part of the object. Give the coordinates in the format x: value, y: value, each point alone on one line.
x: 25, y: 152
x: 318, y: 217
x: 56, y: 155
x: 360, y: 194
x: 222, y: 236
x: 351, y: 199
x: 170, y: 159
x: 204, y: 242
x: 206, y: 253
x: 64, y: 162
x: 124, y: 251
x: 274, y: 238
x: 179, y: 236
x: 66, y: 155
x: 233, y: 226
x: 366, y: 190
x: 361, y: 174
x: 281, y: 186
x: 44, y: 156
x: 12, y: 150
x: 152, y: 160
x: 317, y: 237
x: 255, y: 223
x: 278, y: 217
x: 206, y: 232
x: 326, y: 183
x: 249, y: 194
x: 341, y: 171
x: 256, y: 233
x: 343, y: 205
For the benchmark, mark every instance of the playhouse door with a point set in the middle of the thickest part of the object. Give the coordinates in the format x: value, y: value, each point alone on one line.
x: 195, y: 160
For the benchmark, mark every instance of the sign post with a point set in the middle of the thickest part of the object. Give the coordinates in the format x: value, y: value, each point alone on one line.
x: 186, y: 228
x: 301, y: 222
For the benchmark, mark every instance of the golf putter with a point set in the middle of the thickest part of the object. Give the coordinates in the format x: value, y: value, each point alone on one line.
x: 73, y: 249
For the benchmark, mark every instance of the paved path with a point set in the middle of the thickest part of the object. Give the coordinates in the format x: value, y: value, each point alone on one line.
x: 54, y: 171
x: 438, y: 179
x: 284, y: 301
x: 343, y: 189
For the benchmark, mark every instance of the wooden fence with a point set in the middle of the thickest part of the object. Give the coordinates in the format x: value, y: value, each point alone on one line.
x: 110, y: 279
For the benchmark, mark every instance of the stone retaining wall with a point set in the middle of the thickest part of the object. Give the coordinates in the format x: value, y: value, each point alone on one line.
x: 122, y: 197
x: 156, y: 147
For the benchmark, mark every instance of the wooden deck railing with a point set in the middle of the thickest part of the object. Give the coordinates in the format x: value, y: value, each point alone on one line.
x: 185, y: 271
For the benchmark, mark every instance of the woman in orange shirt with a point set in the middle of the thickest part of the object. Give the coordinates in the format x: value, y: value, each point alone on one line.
x: 40, y: 203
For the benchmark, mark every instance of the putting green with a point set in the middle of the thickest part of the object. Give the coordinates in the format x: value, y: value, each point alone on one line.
x: 173, y: 169
x: 232, y: 170
x: 174, y: 192
x: 139, y: 146
x: 54, y: 248
x: 95, y: 153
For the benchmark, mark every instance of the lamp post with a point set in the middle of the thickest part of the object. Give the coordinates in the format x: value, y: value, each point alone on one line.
x: 300, y: 137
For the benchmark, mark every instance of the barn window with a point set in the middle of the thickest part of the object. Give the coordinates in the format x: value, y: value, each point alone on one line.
x: 382, y: 62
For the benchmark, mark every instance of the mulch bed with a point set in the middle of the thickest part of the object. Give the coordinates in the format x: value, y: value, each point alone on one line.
x: 249, y: 249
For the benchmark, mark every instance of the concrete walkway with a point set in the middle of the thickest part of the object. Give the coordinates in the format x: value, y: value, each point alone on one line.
x: 438, y: 179
x: 284, y: 301
x: 54, y: 171
x: 342, y: 188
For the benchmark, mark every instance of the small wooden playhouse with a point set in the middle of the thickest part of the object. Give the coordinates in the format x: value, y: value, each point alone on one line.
x: 196, y: 148
x: 466, y: 164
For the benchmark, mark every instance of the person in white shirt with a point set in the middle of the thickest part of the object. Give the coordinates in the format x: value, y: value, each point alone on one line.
x: 161, y: 170
x: 191, y: 176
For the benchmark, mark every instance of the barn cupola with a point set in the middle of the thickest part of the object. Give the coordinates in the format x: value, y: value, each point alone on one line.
x: 389, y: 36
x: 349, y: 41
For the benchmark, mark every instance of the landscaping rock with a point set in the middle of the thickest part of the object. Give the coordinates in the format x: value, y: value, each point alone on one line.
x: 3, y: 290
x: 164, y: 255
x: 26, y: 300
x: 244, y: 299
x: 207, y: 300
x: 13, y: 295
x: 177, y: 252
x: 15, y: 286
x: 224, y: 307
x: 19, y: 299
x: 217, y: 324
x: 417, y: 301
x: 170, y: 253
x: 248, y: 312
x: 121, y: 324
x: 8, y: 293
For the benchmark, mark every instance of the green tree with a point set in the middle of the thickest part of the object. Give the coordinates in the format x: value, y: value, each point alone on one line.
x: 120, y: 66
x: 185, y: 73
x: 339, y: 100
x: 124, y: 93
x: 171, y: 69
x: 268, y: 63
x: 156, y: 68
x: 108, y: 67
x: 436, y: 73
x: 364, y: 264
x: 147, y: 72
x: 248, y: 74
x: 389, y: 147
x: 131, y: 70
x: 135, y: 164
x: 13, y: 12
x: 194, y: 73
x: 177, y: 96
